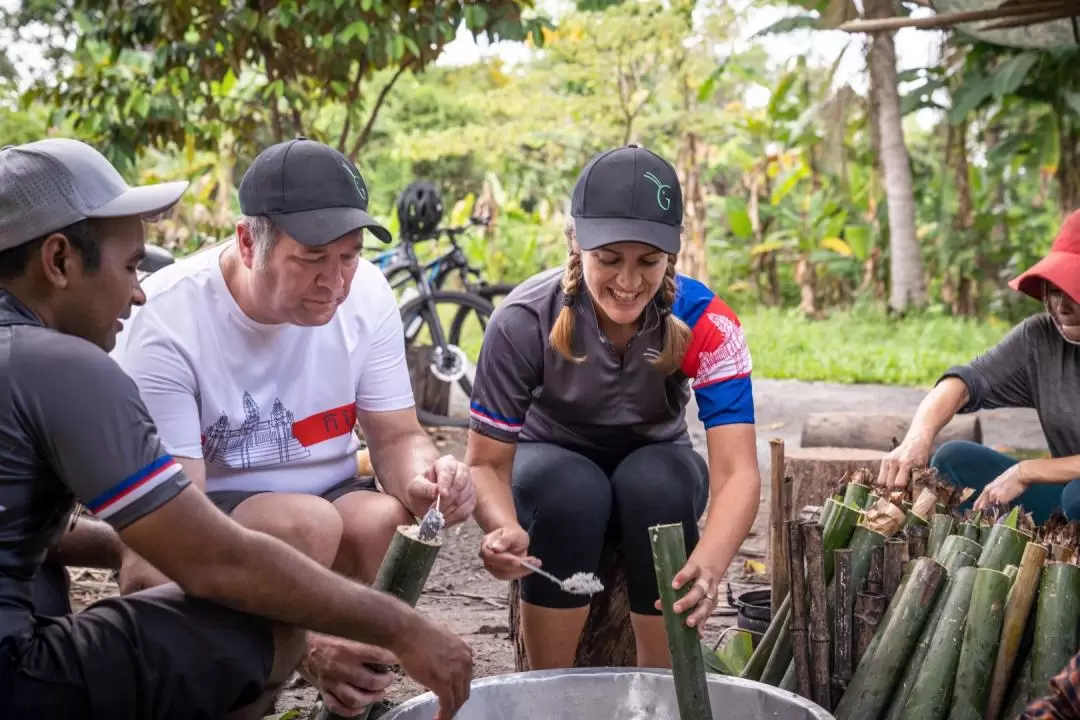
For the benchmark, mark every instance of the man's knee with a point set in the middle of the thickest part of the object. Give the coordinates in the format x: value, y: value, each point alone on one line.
x: 306, y: 522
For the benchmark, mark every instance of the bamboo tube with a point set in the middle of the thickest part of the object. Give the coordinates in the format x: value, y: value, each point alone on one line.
x: 870, y: 688
x: 940, y: 528
x: 970, y: 531
x: 687, y: 662
x: 915, y: 663
x: 1060, y: 553
x: 1020, y: 692
x: 928, y: 698
x: 779, y: 512
x: 896, y: 557
x: 820, y: 647
x: 1010, y: 572
x: 957, y: 543
x: 918, y: 536
x: 843, y: 642
x: 868, y: 611
x: 856, y: 495
x: 984, y: 535
x: 1017, y: 612
x: 403, y: 573
x: 1057, y: 618
x: 760, y: 656
x: 876, y: 571
x: 800, y: 639
x: 1003, y: 546
x: 971, y: 689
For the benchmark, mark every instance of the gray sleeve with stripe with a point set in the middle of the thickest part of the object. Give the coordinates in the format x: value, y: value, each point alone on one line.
x: 92, y: 428
x: 509, y: 369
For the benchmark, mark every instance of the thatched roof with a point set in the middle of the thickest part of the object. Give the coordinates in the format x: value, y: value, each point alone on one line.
x: 1017, y: 23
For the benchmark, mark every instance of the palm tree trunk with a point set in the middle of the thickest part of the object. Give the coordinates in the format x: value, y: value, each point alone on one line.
x: 905, y: 267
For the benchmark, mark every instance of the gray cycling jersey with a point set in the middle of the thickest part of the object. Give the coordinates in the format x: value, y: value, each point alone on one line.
x: 1032, y: 367
x: 72, y: 427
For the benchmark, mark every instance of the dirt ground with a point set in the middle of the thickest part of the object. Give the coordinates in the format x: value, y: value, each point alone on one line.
x: 472, y: 604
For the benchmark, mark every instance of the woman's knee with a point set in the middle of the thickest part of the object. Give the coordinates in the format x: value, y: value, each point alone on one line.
x: 662, y: 479
x: 551, y: 481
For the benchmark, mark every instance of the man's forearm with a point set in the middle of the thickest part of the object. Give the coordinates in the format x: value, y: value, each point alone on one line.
x: 936, y: 409
x: 91, y: 543
x: 267, y: 577
x: 399, y: 461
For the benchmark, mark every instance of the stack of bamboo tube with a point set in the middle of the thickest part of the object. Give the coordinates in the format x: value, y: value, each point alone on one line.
x: 909, y: 609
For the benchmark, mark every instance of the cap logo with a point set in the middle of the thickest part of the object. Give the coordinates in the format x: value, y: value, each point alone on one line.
x: 355, y: 177
x: 662, y: 197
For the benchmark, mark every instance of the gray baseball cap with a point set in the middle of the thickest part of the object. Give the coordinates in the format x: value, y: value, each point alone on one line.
x: 49, y: 184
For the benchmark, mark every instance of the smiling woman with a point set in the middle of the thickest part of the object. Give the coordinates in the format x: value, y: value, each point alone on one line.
x: 578, y: 434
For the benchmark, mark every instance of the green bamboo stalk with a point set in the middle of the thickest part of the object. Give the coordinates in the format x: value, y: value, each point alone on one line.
x: 403, y: 573
x: 940, y: 528
x: 979, y: 650
x: 955, y: 544
x: 756, y: 665
x: 856, y: 495
x: 1020, y: 692
x: 929, y: 696
x: 1003, y: 546
x: 1017, y: 611
x: 915, y: 664
x: 984, y: 534
x: 875, y: 677
x: 913, y: 520
x: 970, y: 531
x: 1057, y: 619
x: 1010, y: 572
x: 940, y: 509
x: 687, y: 662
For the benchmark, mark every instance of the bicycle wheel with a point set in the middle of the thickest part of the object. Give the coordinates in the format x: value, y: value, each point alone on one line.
x: 443, y: 384
x: 495, y: 292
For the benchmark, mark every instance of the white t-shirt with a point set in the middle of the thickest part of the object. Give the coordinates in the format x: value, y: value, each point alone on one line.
x: 267, y: 407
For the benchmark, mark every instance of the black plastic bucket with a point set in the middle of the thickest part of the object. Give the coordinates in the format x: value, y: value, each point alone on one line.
x: 754, y: 611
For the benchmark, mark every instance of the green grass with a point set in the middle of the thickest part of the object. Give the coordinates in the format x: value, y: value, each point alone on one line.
x: 863, y: 346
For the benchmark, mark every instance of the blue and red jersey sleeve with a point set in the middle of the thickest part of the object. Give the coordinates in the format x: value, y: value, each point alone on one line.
x: 718, y: 359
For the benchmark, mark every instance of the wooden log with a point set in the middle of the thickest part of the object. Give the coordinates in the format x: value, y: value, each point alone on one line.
x: 870, y: 688
x: 800, y: 641
x: 982, y: 634
x: 608, y: 637
x: 815, y: 472
x: 820, y: 649
x: 429, y: 392
x: 868, y: 611
x: 687, y: 662
x: 1017, y: 612
x: 896, y: 557
x: 843, y: 642
x: 878, y: 431
x: 779, y: 513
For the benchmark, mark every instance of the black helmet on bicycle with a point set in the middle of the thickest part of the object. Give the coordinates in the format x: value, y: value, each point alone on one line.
x: 419, y: 210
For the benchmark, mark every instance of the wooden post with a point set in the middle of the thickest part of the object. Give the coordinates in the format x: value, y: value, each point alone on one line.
x: 799, y: 624
x: 875, y: 575
x: 845, y: 607
x: 779, y: 512
x: 819, y: 615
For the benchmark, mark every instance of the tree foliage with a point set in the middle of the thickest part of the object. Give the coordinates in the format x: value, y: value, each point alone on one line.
x: 180, y: 73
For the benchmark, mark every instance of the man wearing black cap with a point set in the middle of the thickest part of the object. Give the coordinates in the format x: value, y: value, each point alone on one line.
x: 257, y: 358
x: 220, y: 641
x: 578, y: 431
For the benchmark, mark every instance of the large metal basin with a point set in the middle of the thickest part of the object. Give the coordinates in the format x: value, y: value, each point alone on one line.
x: 610, y: 694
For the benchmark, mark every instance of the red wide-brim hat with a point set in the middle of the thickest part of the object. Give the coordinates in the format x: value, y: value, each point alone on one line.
x: 1061, y: 267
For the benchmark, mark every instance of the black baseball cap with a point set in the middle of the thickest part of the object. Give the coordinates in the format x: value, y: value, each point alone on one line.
x: 309, y: 190
x: 628, y: 194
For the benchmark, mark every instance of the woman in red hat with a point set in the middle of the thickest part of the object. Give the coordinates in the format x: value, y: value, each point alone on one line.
x: 1037, y: 365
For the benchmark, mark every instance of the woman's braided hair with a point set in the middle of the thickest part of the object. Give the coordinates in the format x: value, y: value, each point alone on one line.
x: 676, y: 332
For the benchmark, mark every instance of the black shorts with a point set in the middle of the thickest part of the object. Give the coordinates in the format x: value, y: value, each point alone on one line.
x: 227, y: 500
x: 157, y: 654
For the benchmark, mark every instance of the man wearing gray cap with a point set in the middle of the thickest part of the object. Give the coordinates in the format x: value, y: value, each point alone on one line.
x: 258, y: 357
x: 75, y: 431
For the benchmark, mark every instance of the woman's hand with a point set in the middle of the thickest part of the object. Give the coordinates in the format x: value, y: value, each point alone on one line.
x: 897, y: 465
x: 1008, y: 486
x: 702, y: 597
x: 503, y: 548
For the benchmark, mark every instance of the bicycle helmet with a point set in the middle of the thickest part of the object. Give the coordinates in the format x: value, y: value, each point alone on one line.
x: 419, y: 210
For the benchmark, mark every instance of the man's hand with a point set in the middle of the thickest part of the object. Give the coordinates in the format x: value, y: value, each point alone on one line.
x: 345, y: 672
x: 449, y: 479
x: 440, y: 661
x: 137, y: 574
x: 1008, y: 486
x: 896, y: 466
x: 502, y: 548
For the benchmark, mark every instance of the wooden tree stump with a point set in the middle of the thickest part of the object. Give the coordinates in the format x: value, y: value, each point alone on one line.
x: 429, y: 392
x: 815, y: 472
x: 876, y: 431
x: 608, y: 637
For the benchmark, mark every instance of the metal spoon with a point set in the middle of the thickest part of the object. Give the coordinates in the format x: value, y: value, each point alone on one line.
x: 576, y: 584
